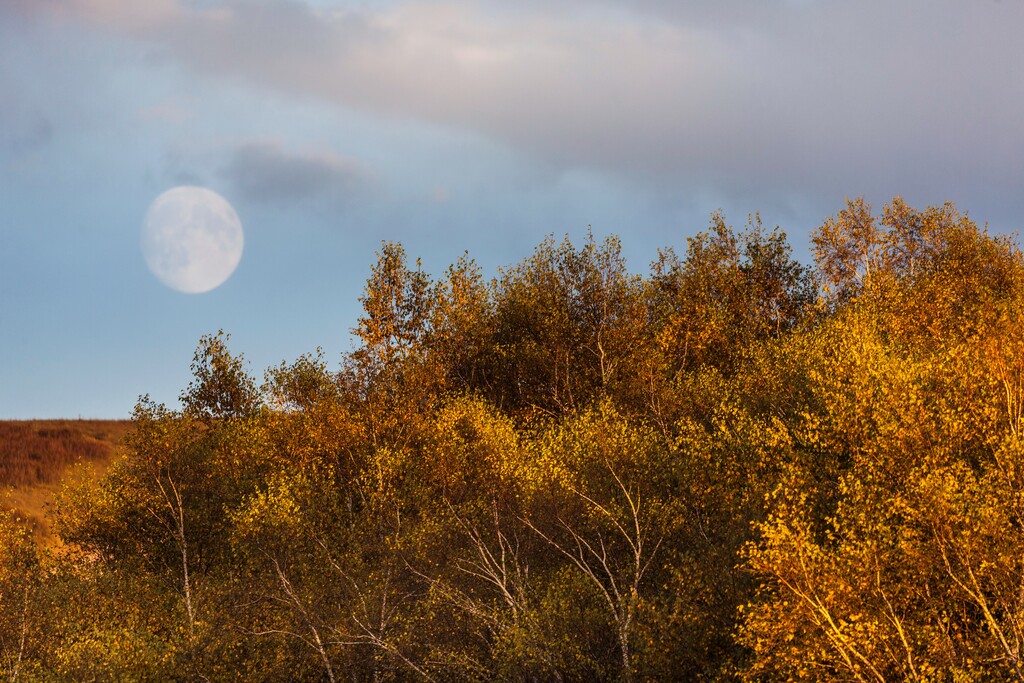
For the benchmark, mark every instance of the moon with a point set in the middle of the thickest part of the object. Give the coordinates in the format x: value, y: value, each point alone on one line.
x: 192, y: 239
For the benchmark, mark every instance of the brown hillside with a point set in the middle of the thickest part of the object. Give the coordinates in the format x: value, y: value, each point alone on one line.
x: 36, y: 454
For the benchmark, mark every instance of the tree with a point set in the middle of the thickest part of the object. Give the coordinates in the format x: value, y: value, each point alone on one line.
x: 568, y: 324
x: 220, y: 387
x: 848, y: 249
x: 396, y: 309
x: 606, y: 513
x: 390, y: 374
x: 732, y: 289
x: 160, y: 514
x: 20, y: 583
x: 462, y: 320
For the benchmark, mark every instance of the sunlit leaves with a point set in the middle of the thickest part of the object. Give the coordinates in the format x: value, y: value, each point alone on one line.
x: 904, y: 568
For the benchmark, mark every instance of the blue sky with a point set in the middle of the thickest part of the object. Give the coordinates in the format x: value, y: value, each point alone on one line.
x: 448, y: 126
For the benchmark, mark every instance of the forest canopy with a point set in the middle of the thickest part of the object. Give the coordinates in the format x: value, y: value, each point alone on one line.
x: 734, y: 467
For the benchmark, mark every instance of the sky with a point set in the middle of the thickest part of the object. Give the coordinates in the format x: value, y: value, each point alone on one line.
x: 448, y: 126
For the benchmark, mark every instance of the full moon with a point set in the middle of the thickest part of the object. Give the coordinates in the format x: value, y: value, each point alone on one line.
x: 192, y: 239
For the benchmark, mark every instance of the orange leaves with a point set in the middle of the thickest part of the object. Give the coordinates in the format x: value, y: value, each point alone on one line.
x: 396, y: 306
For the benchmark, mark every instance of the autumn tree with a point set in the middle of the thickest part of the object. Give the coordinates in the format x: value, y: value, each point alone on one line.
x: 390, y: 373
x: 20, y: 605
x: 894, y: 565
x: 567, y: 324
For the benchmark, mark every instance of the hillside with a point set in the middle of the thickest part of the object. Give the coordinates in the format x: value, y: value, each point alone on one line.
x: 35, y: 455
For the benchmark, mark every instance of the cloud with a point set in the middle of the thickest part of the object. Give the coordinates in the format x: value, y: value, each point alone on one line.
x: 768, y: 95
x: 24, y: 133
x: 167, y: 111
x: 116, y: 14
x: 266, y: 172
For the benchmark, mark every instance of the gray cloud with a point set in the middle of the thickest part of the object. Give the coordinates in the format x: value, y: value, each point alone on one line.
x: 814, y: 96
x: 266, y: 172
x: 24, y: 133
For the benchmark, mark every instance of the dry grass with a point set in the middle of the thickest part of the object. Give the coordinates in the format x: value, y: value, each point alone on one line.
x: 36, y: 455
